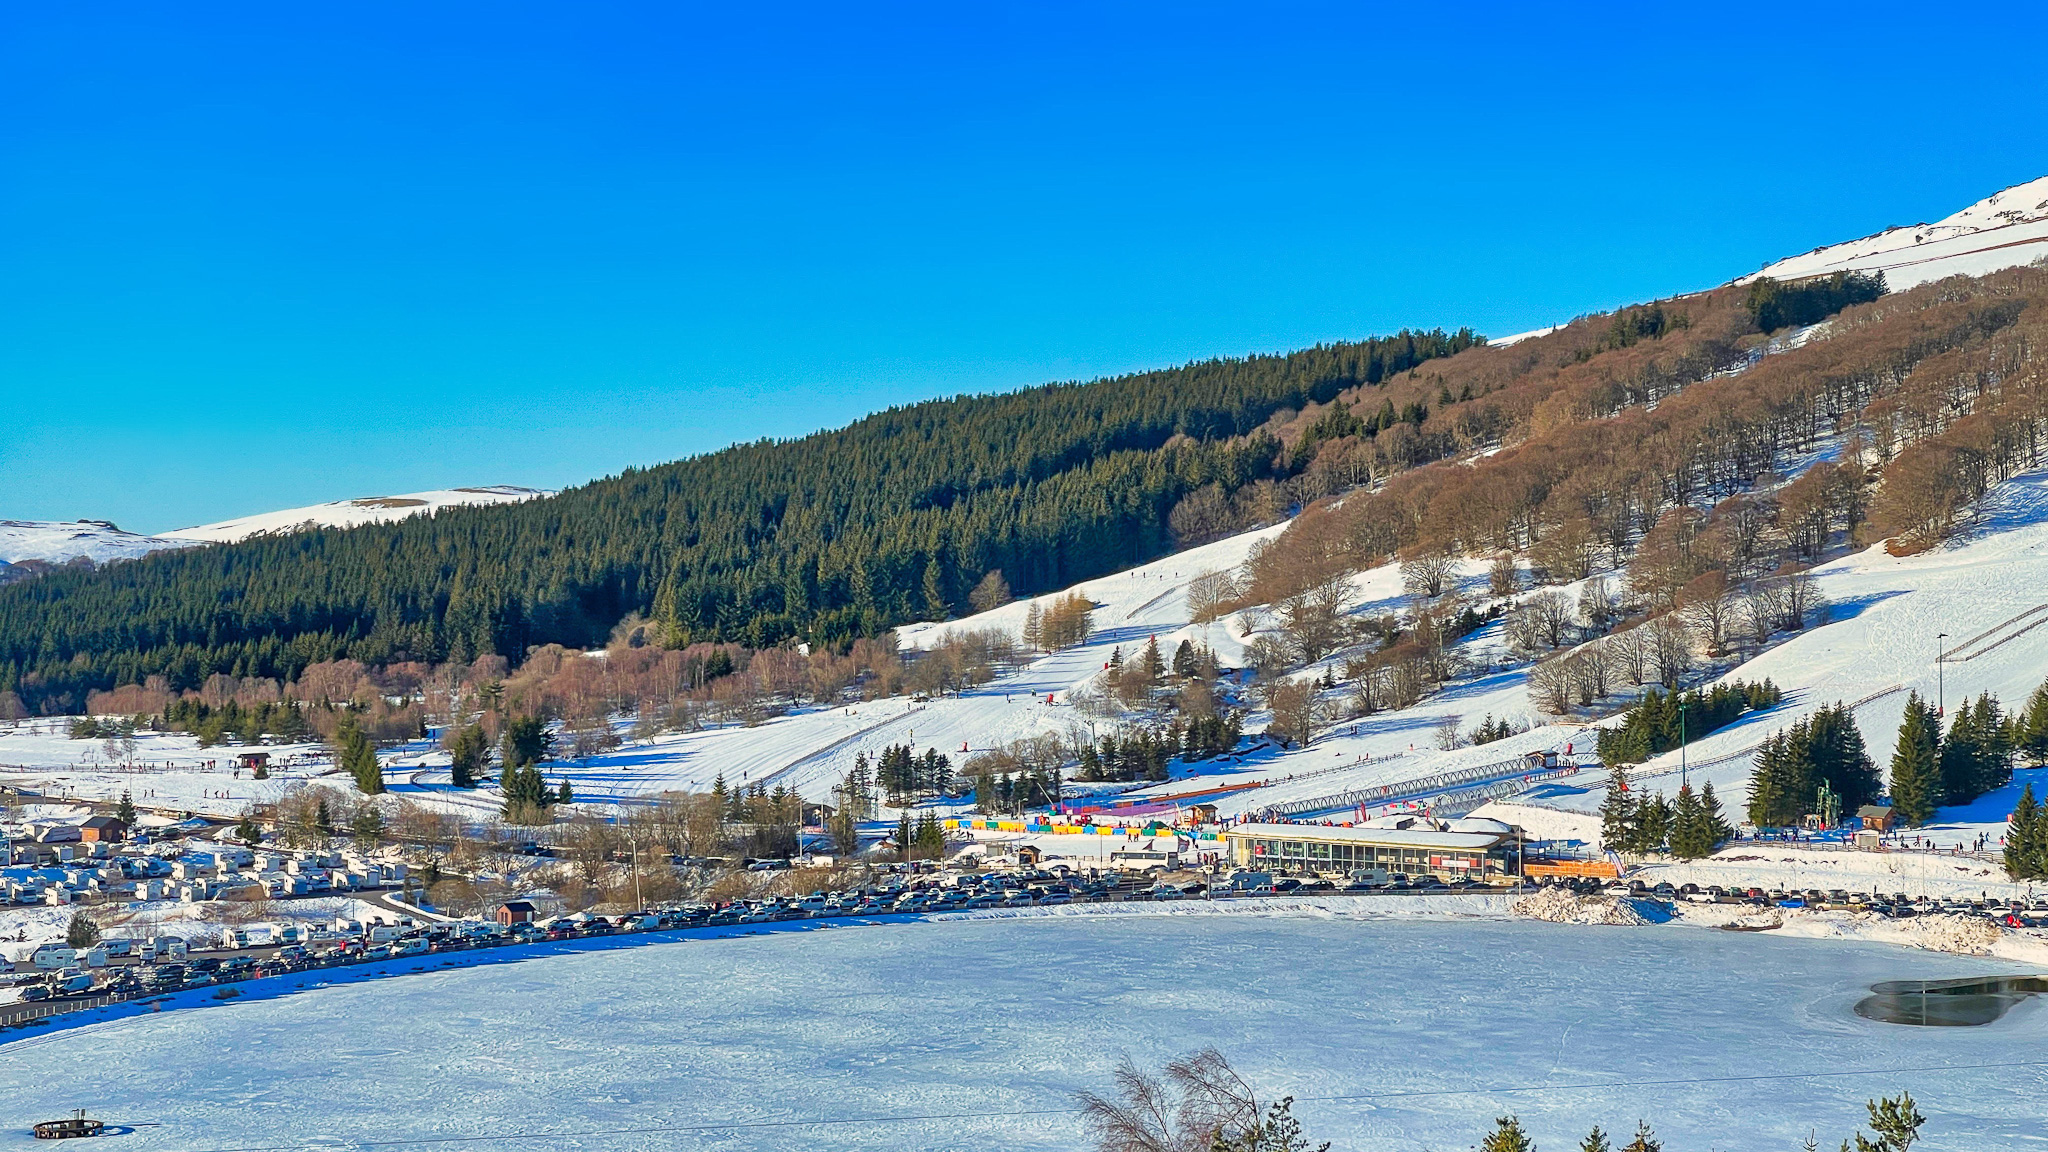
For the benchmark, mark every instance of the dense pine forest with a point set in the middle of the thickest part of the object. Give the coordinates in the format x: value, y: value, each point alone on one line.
x: 826, y: 538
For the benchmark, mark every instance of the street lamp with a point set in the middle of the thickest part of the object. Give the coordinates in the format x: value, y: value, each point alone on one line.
x: 1683, y: 778
x: 1940, y: 676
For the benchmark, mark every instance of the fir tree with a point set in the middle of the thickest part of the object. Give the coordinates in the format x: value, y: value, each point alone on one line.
x: 1618, y: 812
x: 358, y: 758
x: 2031, y: 727
x: 125, y: 812
x: 1916, y: 764
x: 1896, y: 1120
x: 1507, y: 1136
x: 367, y: 827
x: 903, y: 842
x: 2022, y: 835
x: 247, y: 832
x: 1692, y: 834
x: 1833, y: 751
x: 1595, y: 1141
x: 1645, y: 1141
x: 1710, y: 811
x: 467, y: 753
x: 1773, y: 794
x: 563, y: 794
x: 82, y: 933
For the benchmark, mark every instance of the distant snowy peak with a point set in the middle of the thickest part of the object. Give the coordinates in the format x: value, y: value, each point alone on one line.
x: 56, y: 542
x: 2001, y: 231
x: 351, y: 513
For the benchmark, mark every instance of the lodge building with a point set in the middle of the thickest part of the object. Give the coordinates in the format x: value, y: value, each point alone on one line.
x: 1468, y: 848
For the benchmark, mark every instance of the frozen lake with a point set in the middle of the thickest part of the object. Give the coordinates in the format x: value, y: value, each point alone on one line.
x: 1393, y: 1035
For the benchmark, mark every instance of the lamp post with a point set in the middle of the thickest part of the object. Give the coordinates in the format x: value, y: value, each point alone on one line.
x: 1940, y: 676
x: 1683, y: 778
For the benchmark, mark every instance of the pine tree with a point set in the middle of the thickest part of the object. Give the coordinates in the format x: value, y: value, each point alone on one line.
x: 1916, y: 764
x: 247, y: 832
x: 1645, y: 1141
x: 358, y: 758
x: 125, y: 813
x: 1595, y: 1141
x: 1692, y: 835
x: 2021, y: 834
x: 2031, y: 727
x: 466, y: 754
x: 1773, y: 802
x: 1962, y: 756
x: 1896, y: 1120
x: 82, y: 933
x: 1716, y: 826
x: 367, y: 826
x: 1618, y: 812
x: 1654, y: 818
x: 1834, y: 752
x: 1507, y: 1136
x: 563, y: 794
x: 1184, y: 660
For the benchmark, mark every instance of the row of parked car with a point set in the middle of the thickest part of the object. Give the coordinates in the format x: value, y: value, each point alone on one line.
x: 1896, y: 904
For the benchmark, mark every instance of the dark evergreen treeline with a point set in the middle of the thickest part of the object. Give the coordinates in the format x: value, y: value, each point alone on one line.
x: 839, y: 534
x: 1818, y: 767
x: 1661, y: 721
x: 1784, y: 304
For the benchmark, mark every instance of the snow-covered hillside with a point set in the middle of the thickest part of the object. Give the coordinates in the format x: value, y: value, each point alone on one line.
x: 2000, y: 231
x: 350, y: 513
x: 58, y: 541
x: 101, y: 541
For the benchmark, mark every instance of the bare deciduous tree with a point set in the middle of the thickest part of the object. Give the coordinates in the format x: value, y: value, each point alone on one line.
x: 1426, y: 571
x: 1198, y: 1099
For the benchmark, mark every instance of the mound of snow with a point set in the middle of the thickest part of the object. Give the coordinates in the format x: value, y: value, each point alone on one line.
x: 1557, y: 906
x: 2000, y: 231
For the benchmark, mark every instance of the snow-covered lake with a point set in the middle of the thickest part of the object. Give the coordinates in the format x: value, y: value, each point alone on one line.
x: 1392, y: 1034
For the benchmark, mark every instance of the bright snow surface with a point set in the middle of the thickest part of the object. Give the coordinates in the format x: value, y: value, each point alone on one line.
x: 2003, y: 230
x: 99, y: 541
x: 1391, y: 1034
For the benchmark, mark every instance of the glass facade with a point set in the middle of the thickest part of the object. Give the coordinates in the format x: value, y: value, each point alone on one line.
x: 1310, y: 856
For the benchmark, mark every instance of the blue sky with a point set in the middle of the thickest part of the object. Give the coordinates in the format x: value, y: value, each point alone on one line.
x: 256, y: 257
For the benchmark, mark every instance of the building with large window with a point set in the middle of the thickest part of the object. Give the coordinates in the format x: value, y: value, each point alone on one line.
x: 1477, y: 849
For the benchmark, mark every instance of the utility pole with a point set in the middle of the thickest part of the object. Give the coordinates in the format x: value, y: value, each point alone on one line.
x: 1940, y: 676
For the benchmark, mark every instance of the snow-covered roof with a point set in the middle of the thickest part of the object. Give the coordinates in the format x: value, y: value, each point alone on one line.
x: 1396, y: 837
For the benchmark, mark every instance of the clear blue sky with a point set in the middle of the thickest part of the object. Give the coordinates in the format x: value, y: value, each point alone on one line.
x: 256, y: 257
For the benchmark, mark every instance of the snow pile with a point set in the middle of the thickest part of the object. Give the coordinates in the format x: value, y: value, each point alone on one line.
x: 1558, y: 906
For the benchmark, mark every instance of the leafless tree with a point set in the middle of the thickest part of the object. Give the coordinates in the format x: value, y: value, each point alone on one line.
x: 1708, y: 608
x: 1550, y: 687
x: 1426, y: 571
x: 1670, y: 649
x: 1313, y: 619
x: 1298, y: 711
x: 1198, y: 1099
x: 1210, y: 596
x: 1596, y: 604
x: 1503, y: 578
x: 1448, y: 736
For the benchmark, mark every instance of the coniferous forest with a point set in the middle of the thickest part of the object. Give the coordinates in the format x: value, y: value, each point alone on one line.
x: 844, y: 533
